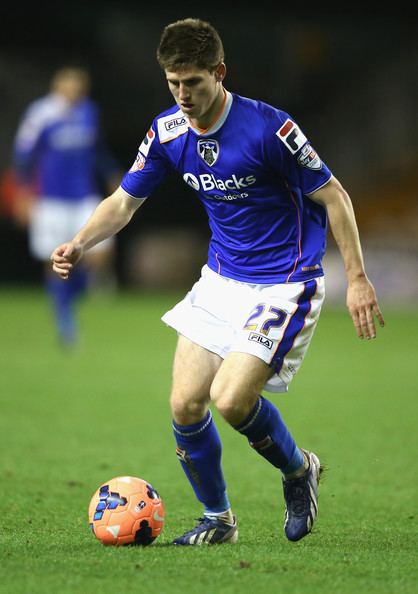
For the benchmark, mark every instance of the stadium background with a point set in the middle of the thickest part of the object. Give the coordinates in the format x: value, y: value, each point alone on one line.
x: 349, y: 80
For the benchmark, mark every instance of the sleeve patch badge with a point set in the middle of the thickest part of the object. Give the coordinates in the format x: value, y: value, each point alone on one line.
x: 291, y: 136
x: 143, y: 151
x: 139, y: 163
x: 147, y: 142
x: 309, y: 158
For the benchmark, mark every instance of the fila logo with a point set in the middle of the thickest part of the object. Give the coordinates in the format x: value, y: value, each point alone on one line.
x: 263, y: 340
x: 175, y: 123
x: 291, y: 136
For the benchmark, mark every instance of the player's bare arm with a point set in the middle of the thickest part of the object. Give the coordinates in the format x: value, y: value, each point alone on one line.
x: 361, y: 297
x: 110, y: 216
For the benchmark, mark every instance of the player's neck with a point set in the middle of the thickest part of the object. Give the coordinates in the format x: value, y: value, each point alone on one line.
x: 213, y: 114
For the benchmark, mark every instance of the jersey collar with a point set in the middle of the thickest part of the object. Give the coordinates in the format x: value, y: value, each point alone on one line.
x: 219, y: 121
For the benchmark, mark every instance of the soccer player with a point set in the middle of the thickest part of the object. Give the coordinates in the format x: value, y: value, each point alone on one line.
x: 60, y: 162
x: 246, y: 324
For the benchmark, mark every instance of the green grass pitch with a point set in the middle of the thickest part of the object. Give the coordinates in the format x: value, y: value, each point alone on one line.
x: 72, y: 420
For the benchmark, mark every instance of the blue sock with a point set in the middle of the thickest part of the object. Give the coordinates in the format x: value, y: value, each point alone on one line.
x: 78, y: 282
x: 199, y: 450
x: 269, y: 436
x: 63, y: 295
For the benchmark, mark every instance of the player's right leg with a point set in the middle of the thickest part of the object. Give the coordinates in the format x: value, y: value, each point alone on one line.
x: 48, y: 228
x: 198, y: 444
x: 63, y: 295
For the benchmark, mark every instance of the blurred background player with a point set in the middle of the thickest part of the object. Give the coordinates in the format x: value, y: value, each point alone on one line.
x: 60, y: 164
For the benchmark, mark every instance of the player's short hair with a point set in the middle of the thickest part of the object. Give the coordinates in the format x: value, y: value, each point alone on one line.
x: 190, y: 43
x: 71, y: 73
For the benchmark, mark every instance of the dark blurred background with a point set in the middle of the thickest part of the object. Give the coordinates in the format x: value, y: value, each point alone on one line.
x: 350, y: 80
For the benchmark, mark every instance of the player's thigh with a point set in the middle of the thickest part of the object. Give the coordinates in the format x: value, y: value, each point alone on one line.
x: 238, y: 384
x: 194, y: 368
x: 279, y: 328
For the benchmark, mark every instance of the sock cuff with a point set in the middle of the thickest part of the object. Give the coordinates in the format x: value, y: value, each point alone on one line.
x: 296, y: 461
x: 252, y: 417
x: 191, y: 432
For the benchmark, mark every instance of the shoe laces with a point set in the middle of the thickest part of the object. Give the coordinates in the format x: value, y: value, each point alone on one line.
x: 297, y: 498
x: 203, y: 520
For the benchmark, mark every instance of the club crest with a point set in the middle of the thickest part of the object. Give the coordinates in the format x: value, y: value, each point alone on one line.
x: 208, y: 149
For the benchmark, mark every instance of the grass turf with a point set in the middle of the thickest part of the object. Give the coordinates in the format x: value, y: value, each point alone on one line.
x: 73, y: 419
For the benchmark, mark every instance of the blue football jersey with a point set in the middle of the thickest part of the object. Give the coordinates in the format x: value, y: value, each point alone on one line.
x: 58, y: 147
x: 252, y: 170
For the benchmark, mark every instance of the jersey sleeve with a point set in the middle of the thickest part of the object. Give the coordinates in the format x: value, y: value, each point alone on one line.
x: 293, y: 156
x: 149, y: 168
x: 26, y: 142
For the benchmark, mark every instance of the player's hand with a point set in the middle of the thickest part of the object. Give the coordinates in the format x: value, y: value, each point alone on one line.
x: 65, y: 257
x: 363, y: 307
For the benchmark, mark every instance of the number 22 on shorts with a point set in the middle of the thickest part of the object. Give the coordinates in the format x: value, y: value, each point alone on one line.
x: 255, y: 324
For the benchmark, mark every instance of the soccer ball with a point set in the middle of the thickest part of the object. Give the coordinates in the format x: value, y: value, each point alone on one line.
x: 126, y: 511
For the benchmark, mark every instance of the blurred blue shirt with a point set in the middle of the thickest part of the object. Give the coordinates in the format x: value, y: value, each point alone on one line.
x: 59, y: 149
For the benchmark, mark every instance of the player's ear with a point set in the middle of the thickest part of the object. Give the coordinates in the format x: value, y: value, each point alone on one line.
x: 220, y: 72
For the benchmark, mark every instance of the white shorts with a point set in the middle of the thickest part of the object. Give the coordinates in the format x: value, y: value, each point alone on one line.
x: 56, y: 221
x: 272, y: 322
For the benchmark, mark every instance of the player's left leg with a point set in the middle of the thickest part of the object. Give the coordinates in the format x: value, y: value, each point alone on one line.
x: 236, y: 393
x: 276, y: 332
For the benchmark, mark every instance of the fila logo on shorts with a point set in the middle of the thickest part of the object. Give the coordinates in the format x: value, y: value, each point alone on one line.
x: 291, y: 136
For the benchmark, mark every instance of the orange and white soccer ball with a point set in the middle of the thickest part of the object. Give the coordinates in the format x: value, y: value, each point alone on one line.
x: 126, y: 511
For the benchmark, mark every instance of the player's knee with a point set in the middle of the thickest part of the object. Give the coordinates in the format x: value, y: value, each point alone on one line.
x: 233, y: 404
x: 185, y: 410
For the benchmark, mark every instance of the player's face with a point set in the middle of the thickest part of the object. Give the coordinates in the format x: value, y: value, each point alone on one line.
x: 198, y: 93
x: 73, y: 88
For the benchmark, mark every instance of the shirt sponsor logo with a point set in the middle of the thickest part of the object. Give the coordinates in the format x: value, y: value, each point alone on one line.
x: 175, y: 123
x: 263, y: 340
x: 207, y: 181
x: 309, y: 158
x: 291, y: 136
x: 228, y: 197
x: 208, y: 149
x: 192, y: 181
